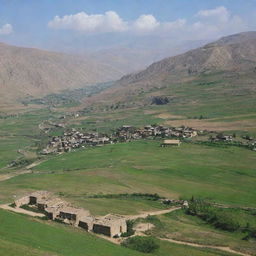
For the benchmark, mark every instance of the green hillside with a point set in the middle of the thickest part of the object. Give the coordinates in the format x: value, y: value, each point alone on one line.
x: 20, y: 235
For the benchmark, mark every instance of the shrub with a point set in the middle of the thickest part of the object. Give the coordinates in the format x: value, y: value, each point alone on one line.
x: 32, y: 209
x: 13, y: 205
x: 130, y: 230
x: 219, y: 218
x: 141, y: 244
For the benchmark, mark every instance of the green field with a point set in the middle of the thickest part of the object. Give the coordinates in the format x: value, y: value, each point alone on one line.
x: 21, y: 235
x: 143, y: 166
x: 217, y: 173
x: 180, y: 226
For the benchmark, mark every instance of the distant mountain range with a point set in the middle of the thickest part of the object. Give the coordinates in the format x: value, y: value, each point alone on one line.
x: 231, y: 53
x: 33, y: 72
x: 235, y: 54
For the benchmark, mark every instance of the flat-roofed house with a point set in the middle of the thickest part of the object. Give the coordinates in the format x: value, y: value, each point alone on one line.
x: 167, y: 143
x: 110, y: 225
x: 55, y: 202
x: 72, y: 215
x: 33, y: 198
x: 86, y: 222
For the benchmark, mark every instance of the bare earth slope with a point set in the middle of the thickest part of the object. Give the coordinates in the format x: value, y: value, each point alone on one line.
x: 233, y: 56
x: 26, y: 71
x: 236, y: 52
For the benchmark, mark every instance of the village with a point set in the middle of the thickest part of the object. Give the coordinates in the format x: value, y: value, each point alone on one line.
x: 73, y: 139
x: 173, y: 136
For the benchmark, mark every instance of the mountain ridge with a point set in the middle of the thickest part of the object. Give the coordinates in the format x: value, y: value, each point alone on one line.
x: 232, y: 56
x: 223, y: 54
x: 34, y: 72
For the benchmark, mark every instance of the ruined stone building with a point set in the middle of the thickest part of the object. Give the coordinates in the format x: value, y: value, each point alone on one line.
x: 110, y: 225
x: 55, y: 208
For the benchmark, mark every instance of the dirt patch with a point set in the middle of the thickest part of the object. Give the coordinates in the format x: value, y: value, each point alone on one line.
x: 210, y: 125
x: 151, y: 112
x: 34, y: 164
x: 169, y: 116
x: 142, y: 227
x: 221, y: 248
x: 8, y: 176
x: 20, y: 210
x: 151, y: 213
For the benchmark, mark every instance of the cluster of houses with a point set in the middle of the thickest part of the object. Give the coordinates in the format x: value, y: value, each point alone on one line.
x: 221, y: 137
x: 76, y: 139
x: 57, y: 209
x: 127, y: 132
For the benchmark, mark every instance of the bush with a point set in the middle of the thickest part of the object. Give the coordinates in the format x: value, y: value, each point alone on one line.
x: 130, y: 230
x: 219, y: 218
x: 32, y: 209
x: 141, y: 244
x: 226, y: 221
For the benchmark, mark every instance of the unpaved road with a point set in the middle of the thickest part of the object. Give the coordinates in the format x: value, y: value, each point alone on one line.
x: 34, y: 164
x: 20, y: 210
x: 151, y: 213
x: 7, y: 176
x: 221, y: 248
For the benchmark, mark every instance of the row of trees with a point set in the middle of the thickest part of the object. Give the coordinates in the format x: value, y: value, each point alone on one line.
x: 225, y: 219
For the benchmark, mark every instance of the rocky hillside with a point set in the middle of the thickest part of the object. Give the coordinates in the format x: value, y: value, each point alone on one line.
x: 231, y: 53
x: 26, y: 71
x: 231, y: 58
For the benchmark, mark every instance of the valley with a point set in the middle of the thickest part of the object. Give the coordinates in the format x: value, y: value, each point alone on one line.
x: 131, y: 174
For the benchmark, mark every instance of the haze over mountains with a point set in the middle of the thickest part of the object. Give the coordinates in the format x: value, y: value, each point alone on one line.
x: 137, y: 55
x: 32, y: 72
x: 27, y: 71
x: 233, y: 54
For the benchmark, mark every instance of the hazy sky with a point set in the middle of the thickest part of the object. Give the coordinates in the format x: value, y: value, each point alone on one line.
x: 88, y: 24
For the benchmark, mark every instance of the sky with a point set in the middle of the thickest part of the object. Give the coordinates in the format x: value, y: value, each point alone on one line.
x: 76, y: 25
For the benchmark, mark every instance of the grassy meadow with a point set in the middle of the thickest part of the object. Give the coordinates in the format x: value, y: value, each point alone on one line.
x: 180, y: 226
x: 144, y: 167
x: 22, y: 235
x: 223, y: 174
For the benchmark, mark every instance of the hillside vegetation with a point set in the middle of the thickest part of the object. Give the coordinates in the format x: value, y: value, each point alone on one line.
x: 21, y: 235
x: 215, y: 81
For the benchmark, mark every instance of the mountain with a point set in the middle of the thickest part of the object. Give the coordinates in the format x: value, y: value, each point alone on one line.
x: 231, y: 53
x: 235, y: 53
x: 222, y: 72
x: 33, y: 72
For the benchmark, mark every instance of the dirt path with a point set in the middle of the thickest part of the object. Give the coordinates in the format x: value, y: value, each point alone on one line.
x: 34, y: 164
x: 8, y: 176
x: 151, y: 213
x: 20, y: 210
x: 221, y: 248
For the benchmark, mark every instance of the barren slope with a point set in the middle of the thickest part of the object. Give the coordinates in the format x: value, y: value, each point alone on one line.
x: 25, y: 71
x: 232, y: 56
